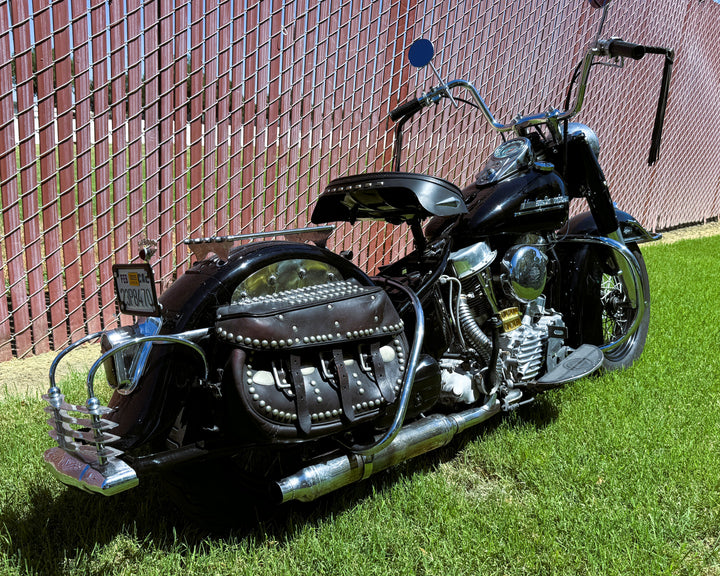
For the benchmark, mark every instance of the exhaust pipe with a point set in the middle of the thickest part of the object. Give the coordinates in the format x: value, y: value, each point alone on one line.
x: 413, y: 440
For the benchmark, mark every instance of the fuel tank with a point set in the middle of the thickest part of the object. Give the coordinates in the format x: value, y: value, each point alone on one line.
x: 513, y: 194
x: 532, y: 200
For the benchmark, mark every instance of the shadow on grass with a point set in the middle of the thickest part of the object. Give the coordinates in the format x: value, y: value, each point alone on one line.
x: 60, y: 532
x: 56, y: 530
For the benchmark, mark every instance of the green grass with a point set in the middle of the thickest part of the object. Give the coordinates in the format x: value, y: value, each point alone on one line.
x: 618, y: 474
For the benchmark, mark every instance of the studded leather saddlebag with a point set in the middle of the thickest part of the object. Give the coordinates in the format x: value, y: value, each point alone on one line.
x: 316, y: 360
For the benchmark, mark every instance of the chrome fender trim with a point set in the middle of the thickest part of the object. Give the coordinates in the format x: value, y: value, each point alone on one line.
x: 634, y: 283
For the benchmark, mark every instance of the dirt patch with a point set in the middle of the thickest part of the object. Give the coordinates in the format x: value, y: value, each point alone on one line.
x: 30, y: 376
x: 688, y: 232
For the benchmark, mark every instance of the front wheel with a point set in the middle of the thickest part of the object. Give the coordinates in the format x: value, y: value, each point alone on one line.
x: 603, y: 313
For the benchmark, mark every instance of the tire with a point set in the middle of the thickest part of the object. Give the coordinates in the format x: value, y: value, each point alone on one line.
x: 602, y: 311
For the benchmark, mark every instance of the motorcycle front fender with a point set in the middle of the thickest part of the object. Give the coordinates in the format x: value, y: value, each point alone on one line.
x: 632, y: 231
x: 578, y: 277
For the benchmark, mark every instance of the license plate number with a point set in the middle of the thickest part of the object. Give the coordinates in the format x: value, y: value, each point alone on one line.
x: 135, y: 289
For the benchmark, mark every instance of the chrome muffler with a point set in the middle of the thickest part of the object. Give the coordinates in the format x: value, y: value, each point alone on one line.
x: 417, y: 438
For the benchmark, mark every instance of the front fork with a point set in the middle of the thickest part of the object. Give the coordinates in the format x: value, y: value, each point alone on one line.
x: 602, y: 209
x: 624, y: 269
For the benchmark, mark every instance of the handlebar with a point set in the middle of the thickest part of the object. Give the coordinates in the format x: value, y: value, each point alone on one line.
x: 613, y: 48
x: 407, y: 109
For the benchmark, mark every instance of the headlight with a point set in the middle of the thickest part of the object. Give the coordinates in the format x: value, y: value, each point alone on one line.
x: 124, y: 369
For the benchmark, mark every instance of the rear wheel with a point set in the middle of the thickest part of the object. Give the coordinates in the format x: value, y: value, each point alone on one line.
x: 232, y: 492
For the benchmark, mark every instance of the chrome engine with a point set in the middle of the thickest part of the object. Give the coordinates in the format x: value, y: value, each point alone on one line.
x: 531, y: 338
x: 537, y: 343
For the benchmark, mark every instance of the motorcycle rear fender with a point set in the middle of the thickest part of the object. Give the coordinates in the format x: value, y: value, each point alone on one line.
x: 191, y: 303
x: 633, y: 232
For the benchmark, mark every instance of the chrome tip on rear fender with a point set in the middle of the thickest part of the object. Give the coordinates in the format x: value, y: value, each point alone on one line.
x: 115, y: 476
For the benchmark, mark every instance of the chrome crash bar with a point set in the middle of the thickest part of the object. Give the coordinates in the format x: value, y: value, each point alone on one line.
x: 82, y: 457
x: 627, y: 263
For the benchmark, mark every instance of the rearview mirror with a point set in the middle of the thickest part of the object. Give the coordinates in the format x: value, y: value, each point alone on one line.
x: 421, y: 52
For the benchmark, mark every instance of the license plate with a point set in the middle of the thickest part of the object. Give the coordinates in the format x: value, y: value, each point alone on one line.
x: 135, y: 289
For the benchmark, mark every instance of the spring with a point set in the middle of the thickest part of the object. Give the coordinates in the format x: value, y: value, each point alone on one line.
x: 472, y: 332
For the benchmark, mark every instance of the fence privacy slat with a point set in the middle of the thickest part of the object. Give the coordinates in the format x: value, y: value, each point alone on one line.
x: 84, y: 161
x: 136, y: 114
x: 152, y: 134
x: 209, y: 96
x: 12, y: 245
x: 65, y: 109
x: 46, y: 105
x: 168, y: 119
x: 165, y: 190
x: 180, y: 132
x: 101, y: 149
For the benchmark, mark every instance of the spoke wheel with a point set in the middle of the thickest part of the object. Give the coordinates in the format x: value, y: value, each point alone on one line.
x: 617, y: 315
x: 617, y: 312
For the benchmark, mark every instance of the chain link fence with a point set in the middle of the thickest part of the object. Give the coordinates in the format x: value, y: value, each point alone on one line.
x: 168, y: 119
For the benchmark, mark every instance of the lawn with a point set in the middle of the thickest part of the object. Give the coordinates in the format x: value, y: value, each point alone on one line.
x: 617, y: 474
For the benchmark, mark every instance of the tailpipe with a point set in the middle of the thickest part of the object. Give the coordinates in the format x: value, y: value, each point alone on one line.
x: 417, y: 438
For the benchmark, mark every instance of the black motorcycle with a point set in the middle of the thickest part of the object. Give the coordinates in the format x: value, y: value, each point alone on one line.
x: 283, y: 367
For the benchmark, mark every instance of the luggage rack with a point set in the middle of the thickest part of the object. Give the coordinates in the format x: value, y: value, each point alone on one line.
x: 221, y: 245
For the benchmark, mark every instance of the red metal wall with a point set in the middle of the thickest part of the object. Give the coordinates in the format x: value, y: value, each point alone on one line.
x: 169, y: 118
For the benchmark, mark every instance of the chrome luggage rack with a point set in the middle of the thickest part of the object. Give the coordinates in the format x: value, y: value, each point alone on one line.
x: 221, y: 245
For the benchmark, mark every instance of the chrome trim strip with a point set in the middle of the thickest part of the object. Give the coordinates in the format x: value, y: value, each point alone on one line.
x: 137, y: 367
